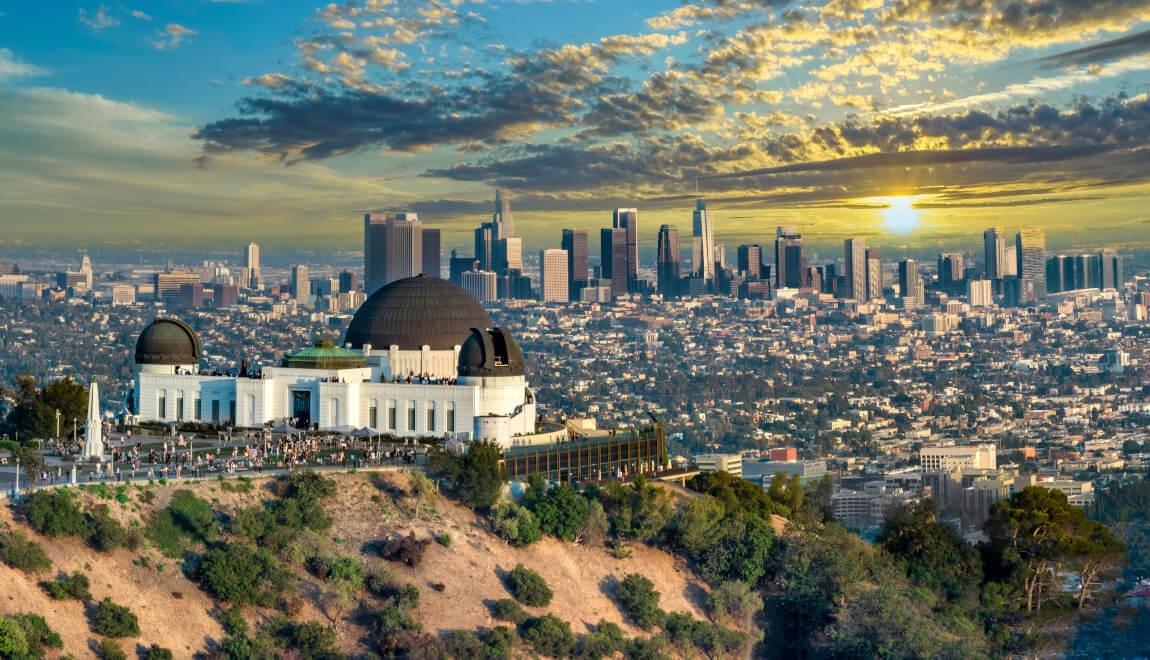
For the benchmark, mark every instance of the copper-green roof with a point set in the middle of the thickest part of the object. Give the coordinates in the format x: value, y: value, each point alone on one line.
x: 324, y: 355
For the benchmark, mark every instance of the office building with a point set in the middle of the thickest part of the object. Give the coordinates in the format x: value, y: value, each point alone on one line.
x: 613, y: 259
x: 578, y: 271
x: 482, y: 285
x: 191, y: 296
x: 485, y: 246
x: 950, y: 270
x: 301, y: 285
x: 749, y: 261
x: 874, y: 279
x: 122, y: 294
x: 431, y: 255
x: 667, y: 262
x: 225, y: 295
x: 393, y: 248
x: 994, y: 255
x: 348, y: 281
x: 502, y: 221
x: 252, y: 276
x: 553, y: 286
x: 167, y: 286
x: 856, y: 269
x: 458, y: 265
x: 908, y: 280
x: 790, y: 265
x: 628, y: 219
x: 703, y: 245
x: 980, y: 293
x: 957, y: 458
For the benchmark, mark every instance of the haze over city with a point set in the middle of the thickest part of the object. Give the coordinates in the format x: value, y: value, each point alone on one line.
x: 173, y: 124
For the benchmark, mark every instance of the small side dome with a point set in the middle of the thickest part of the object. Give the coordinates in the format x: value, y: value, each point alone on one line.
x: 168, y: 342
x: 489, y: 354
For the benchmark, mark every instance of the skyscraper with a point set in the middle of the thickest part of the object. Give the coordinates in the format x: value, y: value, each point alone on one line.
x: 668, y: 261
x: 994, y: 254
x: 789, y: 264
x: 301, y: 284
x: 481, y: 284
x: 613, y: 258
x: 348, y: 281
x: 749, y: 260
x: 979, y: 293
x: 575, y: 243
x: 252, y: 277
x: 485, y: 246
x: 874, y: 283
x: 908, y: 279
x: 950, y: 269
x: 856, y: 268
x: 629, y: 219
x: 502, y: 222
x: 393, y: 248
x: 553, y: 274
x: 703, y: 245
x: 431, y: 257
x: 1030, y: 248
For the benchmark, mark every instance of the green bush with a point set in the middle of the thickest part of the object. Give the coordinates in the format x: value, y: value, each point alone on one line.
x: 23, y: 554
x: 103, y: 532
x: 639, y: 600
x: 312, y: 639
x: 157, y: 652
x: 515, y: 524
x: 108, y: 649
x: 499, y: 643
x: 463, y: 644
x: 37, y: 633
x: 252, y: 522
x: 379, y: 582
x: 13, y: 643
x: 193, y: 515
x: 733, y: 602
x: 246, y: 648
x: 69, y: 587
x: 233, y: 621
x: 242, y: 575
x: 506, y: 609
x: 54, y: 512
x: 112, y: 620
x: 607, y: 640
x: 443, y: 539
x: 528, y: 587
x: 306, y: 485
x: 550, y: 635
x: 476, y: 476
x: 561, y: 511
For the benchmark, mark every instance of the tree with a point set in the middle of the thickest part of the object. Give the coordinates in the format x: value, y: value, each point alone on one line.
x: 596, y: 525
x: 741, y: 551
x: 54, y: 513
x: 34, y: 415
x: 112, y: 620
x: 528, y: 587
x: 733, y: 602
x: 696, y: 524
x: 561, y: 510
x: 421, y: 491
x: 639, y: 600
x: 933, y: 554
x: 476, y: 476
x: 550, y: 635
x: 1043, y: 534
x: 515, y: 524
x: 639, y: 510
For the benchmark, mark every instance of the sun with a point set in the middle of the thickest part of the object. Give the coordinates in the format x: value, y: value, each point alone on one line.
x: 899, y: 214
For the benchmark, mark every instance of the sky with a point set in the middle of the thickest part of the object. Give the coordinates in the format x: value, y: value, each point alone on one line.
x: 913, y: 123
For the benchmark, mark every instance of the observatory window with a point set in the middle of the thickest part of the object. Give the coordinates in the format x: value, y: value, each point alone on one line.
x: 411, y: 416
x: 431, y: 417
x: 451, y: 416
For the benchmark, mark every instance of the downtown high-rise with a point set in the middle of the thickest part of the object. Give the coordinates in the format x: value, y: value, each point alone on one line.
x: 628, y: 219
x: 392, y: 248
x: 790, y: 265
x: 252, y: 277
x: 856, y: 269
x: 578, y: 270
x: 667, y: 262
x: 703, y: 245
x: 553, y: 285
x: 1030, y: 248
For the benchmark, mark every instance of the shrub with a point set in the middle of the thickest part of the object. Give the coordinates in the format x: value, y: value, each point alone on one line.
x: 193, y: 515
x: 252, y: 522
x: 406, y: 549
x: 13, y: 643
x: 108, y: 649
x: 53, y: 512
x: 639, y: 600
x: 242, y: 575
x: 23, y: 554
x: 443, y: 539
x: 112, y: 620
x: 528, y: 587
x: 733, y: 602
x: 476, y: 476
x: 246, y: 648
x: 305, y: 485
x: 515, y: 524
x: 233, y: 621
x: 550, y: 636
x: 103, y: 532
x: 69, y: 587
x: 561, y: 510
x: 312, y: 639
x: 463, y: 644
x: 379, y: 583
x: 499, y: 643
x: 395, y: 631
x: 607, y: 640
x: 37, y: 633
x: 157, y: 652
x: 508, y: 610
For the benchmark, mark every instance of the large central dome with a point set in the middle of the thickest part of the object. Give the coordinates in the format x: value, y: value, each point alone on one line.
x: 415, y: 312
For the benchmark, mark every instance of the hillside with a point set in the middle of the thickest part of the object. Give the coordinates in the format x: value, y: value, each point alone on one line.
x: 366, y: 507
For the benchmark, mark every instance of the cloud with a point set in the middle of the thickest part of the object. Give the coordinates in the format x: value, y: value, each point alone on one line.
x: 172, y: 36
x: 137, y: 14
x: 99, y: 20
x: 12, y: 68
x: 1122, y: 47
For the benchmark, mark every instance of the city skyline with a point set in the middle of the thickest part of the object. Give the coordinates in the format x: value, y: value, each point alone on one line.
x: 893, y: 122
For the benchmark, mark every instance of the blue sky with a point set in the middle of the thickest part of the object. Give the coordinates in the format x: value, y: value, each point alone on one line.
x: 165, y: 122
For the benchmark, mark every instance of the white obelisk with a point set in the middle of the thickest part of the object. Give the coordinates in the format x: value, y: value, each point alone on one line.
x: 93, y: 436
